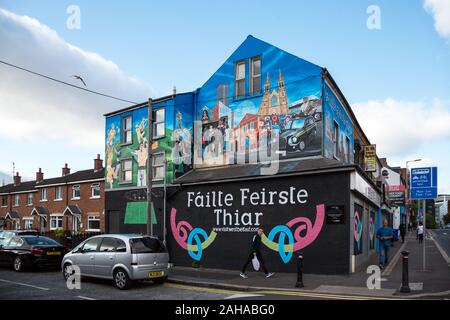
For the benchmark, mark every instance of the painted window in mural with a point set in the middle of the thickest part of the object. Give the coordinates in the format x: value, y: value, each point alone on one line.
x: 358, y: 230
x: 255, y: 83
x: 239, y: 79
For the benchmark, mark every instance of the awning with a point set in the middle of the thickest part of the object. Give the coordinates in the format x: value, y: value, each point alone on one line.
x: 136, y: 213
x: 73, y: 210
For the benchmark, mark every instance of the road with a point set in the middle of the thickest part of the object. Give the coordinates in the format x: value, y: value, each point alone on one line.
x: 50, y: 285
x: 442, y: 236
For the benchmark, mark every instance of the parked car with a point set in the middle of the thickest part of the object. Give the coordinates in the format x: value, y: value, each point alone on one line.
x: 298, y: 134
x: 23, y: 252
x: 447, y: 226
x: 122, y: 258
x: 6, y: 235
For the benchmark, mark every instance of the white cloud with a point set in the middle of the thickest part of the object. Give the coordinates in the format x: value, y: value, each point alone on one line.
x: 34, y: 109
x: 440, y: 10
x: 402, y: 127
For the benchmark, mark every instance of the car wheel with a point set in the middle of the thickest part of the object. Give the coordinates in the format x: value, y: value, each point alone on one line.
x: 121, y: 279
x: 19, y: 264
x: 301, y: 145
x: 67, y: 272
x: 160, y: 280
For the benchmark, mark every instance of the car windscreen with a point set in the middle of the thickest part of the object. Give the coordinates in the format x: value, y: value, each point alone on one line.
x: 297, y: 124
x: 5, y: 236
x: 146, y: 245
x: 40, y: 241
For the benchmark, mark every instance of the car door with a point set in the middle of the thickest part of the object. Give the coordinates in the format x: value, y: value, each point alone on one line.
x: 86, y: 258
x: 105, y: 257
x: 10, y: 250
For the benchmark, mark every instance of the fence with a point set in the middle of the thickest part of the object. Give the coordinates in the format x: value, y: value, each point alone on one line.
x: 69, y: 239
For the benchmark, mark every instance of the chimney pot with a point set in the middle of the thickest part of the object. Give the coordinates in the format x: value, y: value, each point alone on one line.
x: 17, y: 179
x: 98, y: 163
x: 65, y: 170
x: 39, y: 175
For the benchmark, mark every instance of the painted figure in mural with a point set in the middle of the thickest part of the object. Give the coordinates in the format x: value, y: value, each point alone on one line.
x: 140, y: 132
x: 255, y: 251
x: 384, y: 235
x: 112, y: 169
x: 181, y: 151
x: 205, y: 116
x: 140, y: 155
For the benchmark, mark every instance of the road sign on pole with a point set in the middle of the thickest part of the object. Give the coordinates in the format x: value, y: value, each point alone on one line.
x: 424, y: 183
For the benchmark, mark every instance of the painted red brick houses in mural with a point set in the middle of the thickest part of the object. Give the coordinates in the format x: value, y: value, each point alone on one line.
x: 73, y: 201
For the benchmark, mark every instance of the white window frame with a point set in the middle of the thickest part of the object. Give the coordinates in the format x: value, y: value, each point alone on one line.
x: 157, y: 122
x: 58, y: 217
x: 58, y: 198
x: 27, y: 220
x: 93, y: 218
x: 93, y: 187
x: 16, y: 200
x: 29, y: 197
x: 238, y: 79
x: 124, y: 130
x: 154, y: 166
x: 6, y: 202
x: 75, y: 188
x: 255, y: 76
x: 44, y: 191
x: 122, y: 171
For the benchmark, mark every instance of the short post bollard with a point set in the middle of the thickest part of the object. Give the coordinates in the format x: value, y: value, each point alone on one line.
x: 299, y: 283
x: 405, y: 276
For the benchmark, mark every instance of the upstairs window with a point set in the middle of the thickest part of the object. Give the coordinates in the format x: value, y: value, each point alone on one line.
x: 126, y: 171
x: 239, y: 79
x: 76, y: 192
x: 158, y: 123
x: 4, y: 201
x: 16, y: 200
x: 255, y: 83
x: 336, y: 139
x: 29, y: 199
x: 58, y: 193
x: 347, y: 153
x: 158, y: 166
x: 95, y: 190
x: 126, y: 132
x: 44, y: 194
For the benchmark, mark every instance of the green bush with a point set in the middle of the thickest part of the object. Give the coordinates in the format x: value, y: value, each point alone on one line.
x: 59, y: 233
x: 431, y: 223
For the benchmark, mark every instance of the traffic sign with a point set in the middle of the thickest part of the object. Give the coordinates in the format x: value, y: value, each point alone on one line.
x: 424, y: 183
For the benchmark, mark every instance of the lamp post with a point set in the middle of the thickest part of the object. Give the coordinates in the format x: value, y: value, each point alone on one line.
x: 149, y: 168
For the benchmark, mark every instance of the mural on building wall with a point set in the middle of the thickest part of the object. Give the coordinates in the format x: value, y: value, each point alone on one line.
x: 336, y: 114
x: 286, y: 109
x: 357, y: 230
x: 372, y: 230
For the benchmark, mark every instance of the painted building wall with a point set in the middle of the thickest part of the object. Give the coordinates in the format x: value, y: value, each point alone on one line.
x: 288, y: 105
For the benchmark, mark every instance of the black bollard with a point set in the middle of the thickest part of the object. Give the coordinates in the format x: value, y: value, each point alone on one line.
x: 405, y: 276
x: 299, y: 283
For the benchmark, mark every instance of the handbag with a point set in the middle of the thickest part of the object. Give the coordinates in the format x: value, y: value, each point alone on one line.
x: 255, y: 263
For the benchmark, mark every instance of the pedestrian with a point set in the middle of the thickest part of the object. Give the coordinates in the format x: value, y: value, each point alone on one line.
x: 420, y: 232
x: 402, y: 231
x: 384, y: 235
x: 255, y: 251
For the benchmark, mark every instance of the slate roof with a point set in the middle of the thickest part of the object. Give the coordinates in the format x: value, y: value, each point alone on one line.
x: 73, y: 209
x: 12, y: 215
x: 24, y: 186
x: 41, y: 211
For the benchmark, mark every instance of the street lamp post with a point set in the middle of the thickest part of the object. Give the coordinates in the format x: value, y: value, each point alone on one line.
x: 149, y: 168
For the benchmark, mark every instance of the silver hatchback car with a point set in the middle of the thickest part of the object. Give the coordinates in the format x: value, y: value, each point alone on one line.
x: 121, y: 257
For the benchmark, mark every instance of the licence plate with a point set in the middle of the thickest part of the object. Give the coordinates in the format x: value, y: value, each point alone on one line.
x: 155, y: 274
x: 53, y: 253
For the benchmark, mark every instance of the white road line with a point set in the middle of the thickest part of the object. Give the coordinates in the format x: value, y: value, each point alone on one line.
x: 85, y: 298
x: 388, y: 270
x: 442, y: 251
x: 25, y: 284
x: 243, y: 295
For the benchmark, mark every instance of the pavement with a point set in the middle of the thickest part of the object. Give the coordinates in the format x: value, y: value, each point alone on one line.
x: 431, y: 283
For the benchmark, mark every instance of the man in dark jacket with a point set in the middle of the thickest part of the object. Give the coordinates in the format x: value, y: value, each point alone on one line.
x: 255, y: 251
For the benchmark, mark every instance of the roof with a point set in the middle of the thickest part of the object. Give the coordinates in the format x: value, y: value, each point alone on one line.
x: 73, y: 210
x: 40, y: 211
x: 24, y: 186
x: 12, y: 215
x: 82, y: 175
x: 250, y: 171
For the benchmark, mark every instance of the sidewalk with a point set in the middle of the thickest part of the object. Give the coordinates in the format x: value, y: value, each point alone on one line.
x: 435, y: 280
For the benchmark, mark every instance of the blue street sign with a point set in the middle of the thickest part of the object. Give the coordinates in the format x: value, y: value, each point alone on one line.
x: 424, y: 183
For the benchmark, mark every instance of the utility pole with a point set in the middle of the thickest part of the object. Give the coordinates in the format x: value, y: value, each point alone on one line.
x: 149, y: 168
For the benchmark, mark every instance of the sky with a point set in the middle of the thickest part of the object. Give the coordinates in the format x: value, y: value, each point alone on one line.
x: 395, y: 76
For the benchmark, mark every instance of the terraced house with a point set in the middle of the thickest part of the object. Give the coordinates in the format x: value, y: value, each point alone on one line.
x: 72, y: 202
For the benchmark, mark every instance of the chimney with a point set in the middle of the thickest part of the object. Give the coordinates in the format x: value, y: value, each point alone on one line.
x: 39, y: 176
x: 98, y: 163
x: 65, y: 170
x: 17, y: 179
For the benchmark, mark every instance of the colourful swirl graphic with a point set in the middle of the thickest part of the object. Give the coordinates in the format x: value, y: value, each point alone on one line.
x: 184, y: 234
x: 357, y: 230
x: 296, y: 240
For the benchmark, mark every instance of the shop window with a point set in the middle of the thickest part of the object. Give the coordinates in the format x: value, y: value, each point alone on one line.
x: 93, y: 223
x: 56, y: 222
x: 255, y: 83
x: 159, y: 129
x: 239, y: 79
x: 126, y: 171
x: 158, y: 166
x: 126, y: 132
x: 58, y: 193
x: 95, y: 190
x: 76, y: 193
x: 44, y: 194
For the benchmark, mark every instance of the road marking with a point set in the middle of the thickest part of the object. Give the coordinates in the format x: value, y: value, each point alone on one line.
x: 327, y: 296
x: 244, y: 295
x: 442, y: 251
x: 388, y: 270
x: 85, y: 298
x: 25, y: 284
x: 210, y: 290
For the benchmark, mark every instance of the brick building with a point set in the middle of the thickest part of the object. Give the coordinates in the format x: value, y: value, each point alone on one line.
x: 73, y: 201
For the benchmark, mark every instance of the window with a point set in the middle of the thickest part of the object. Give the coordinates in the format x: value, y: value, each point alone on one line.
x: 91, y: 245
x: 16, y: 200
x: 29, y: 199
x: 28, y: 223
x: 56, y: 222
x: 255, y: 83
x: 158, y: 123
x: 126, y: 171
x: 347, y: 146
x: 239, y: 79
x: 127, y: 133
x: 252, y: 126
x: 336, y: 139
x: 4, y: 201
x: 108, y: 245
x: 44, y: 194
x: 93, y: 223
x: 76, y: 192
x: 146, y: 245
x: 95, y: 190
x: 158, y: 166
x: 15, y: 242
x: 58, y: 193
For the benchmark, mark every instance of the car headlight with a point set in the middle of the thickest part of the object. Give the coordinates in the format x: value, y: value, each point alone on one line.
x: 294, y: 139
